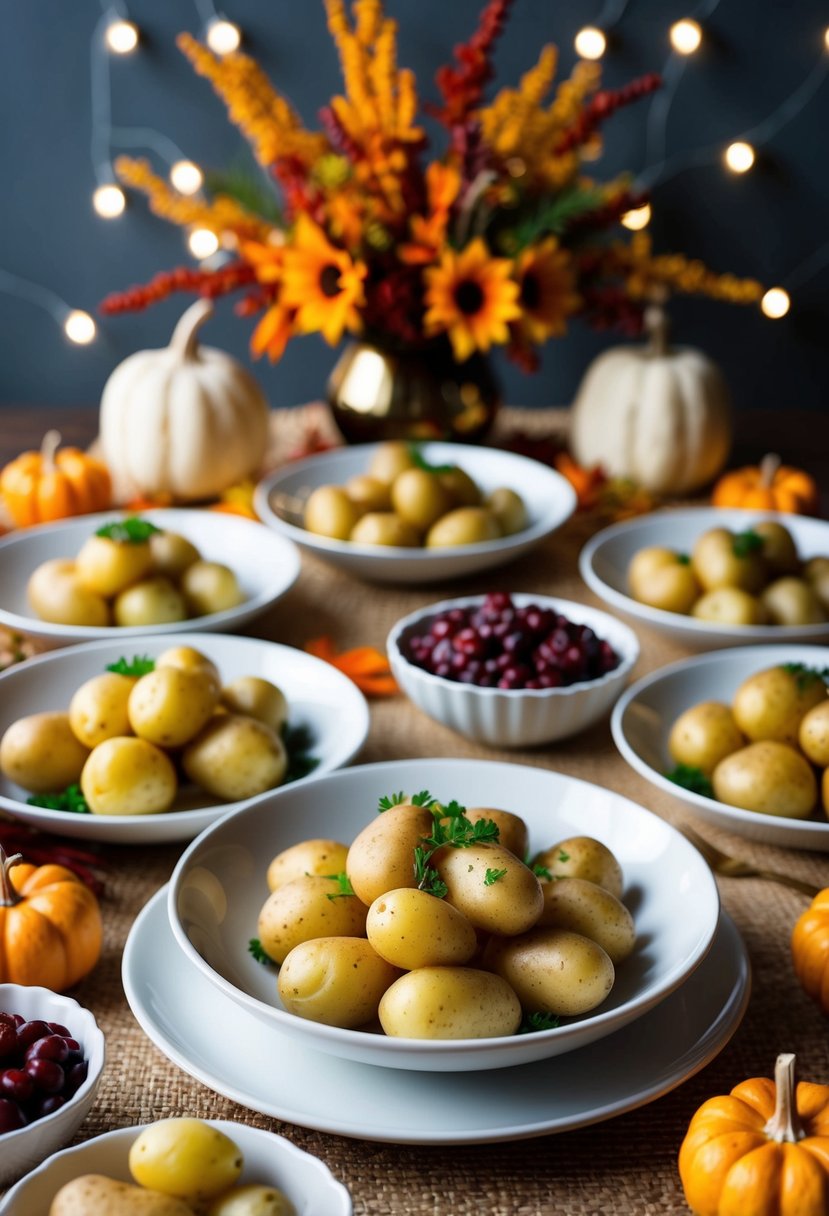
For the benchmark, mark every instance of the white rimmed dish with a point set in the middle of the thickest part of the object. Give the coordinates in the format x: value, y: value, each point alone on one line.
x: 322, y: 699
x: 644, y: 714
x: 514, y: 717
x: 604, y: 561
x: 549, y: 498
x: 265, y: 565
x: 21, y: 1150
x: 269, y: 1159
x: 218, y: 888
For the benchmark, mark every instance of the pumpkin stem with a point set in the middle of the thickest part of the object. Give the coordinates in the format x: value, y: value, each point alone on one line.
x: 48, y: 447
x: 784, y: 1127
x: 8, y: 895
x: 185, y: 334
x: 768, y: 470
x: 657, y: 328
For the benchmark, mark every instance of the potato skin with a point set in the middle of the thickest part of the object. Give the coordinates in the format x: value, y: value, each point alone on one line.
x: 41, y: 753
x: 449, y: 1003
x: 703, y: 735
x: 235, y: 757
x: 128, y: 776
x: 772, y: 703
x: 410, y: 928
x: 96, y: 1195
x: 381, y: 856
x: 57, y: 595
x: 330, y: 512
x: 210, y: 587
x: 321, y: 857
x: 172, y: 554
x: 813, y: 735
x: 729, y: 606
x: 659, y: 578
x: 335, y: 980
x: 512, y: 830
x: 586, y: 908
x: 258, y: 699
x: 509, y: 905
x: 108, y: 566
x: 98, y: 710
x: 583, y: 857
x: 768, y: 777
x: 463, y: 526
x: 301, y: 909
x: 189, y: 659
x: 185, y: 1158
x: 384, y: 528
x: 252, y: 1200
x: 169, y: 706
x: 552, y: 970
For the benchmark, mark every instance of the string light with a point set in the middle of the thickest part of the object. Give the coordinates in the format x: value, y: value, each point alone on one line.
x: 775, y: 303
x: 223, y: 37
x: 638, y: 218
x: 109, y: 201
x: 121, y: 36
x: 590, y: 42
x: 79, y: 327
x: 686, y: 36
x: 186, y: 177
x: 202, y: 243
x: 739, y: 156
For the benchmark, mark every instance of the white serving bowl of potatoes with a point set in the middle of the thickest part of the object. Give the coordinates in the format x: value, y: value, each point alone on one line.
x: 220, y: 899
x: 730, y: 708
x: 243, y: 569
x: 607, y: 564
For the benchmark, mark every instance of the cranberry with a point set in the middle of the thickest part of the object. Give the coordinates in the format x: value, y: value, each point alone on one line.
x: 76, y: 1076
x: 29, y: 1031
x: 11, y: 1116
x: 47, y: 1075
x: 52, y: 1047
x: 8, y: 1039
x: 16, y: 1084
x: 57, y: 1028
x: 47, y: 1105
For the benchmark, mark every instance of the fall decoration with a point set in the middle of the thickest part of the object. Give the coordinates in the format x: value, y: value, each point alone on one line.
x: 50, y: 925
x: 367, y: 667
x: 38, y: 487
x: 182, y: 423
x: 810, y: 949
x: 771, y: 486
x: 762, y: 1150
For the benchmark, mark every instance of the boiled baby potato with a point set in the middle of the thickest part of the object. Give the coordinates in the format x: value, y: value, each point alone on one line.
x: 779, y: 550
x: 56, y: 594
x: 186, y: 1158
x: 42, y: 753
x: 490, y: 886
x: 463, y: 526
x: 235, y: 757
x: 509, y: 510
x: 384, y: 528
x: 772, y: 703
x: 108, y: 566
x: 98, y: 710
x: 128, y: 776
x: 154, y: 601
x: 310, y: 906
x: 704, y: 735
x: 792, y: 601
x: 172, y: 554
x: 816, y: 573
x: 390, y: 460
x: 583, y: 857
x: 813, y: 735
x: 169, y: 706
x: 584, y: 907
x: 662, y: 579
x: 368, y: 493
x: 252, y: 1199
x: 381, y: 856
x: 189, y: 659
x: 729, y: 606
x: 768, y: 777
x: 410, y: 928
x: 419, y: 498
x: 325, y: 857
x: 449, y: 1003
x: 96, y: 1195
x: 330, y: 512
x: 512, y: 830
x: 552, y: 970
x: 258, y: 699
x: 335, y: 980
x: 210, y: 587
x: 463, y: 490
x: 720, y: 558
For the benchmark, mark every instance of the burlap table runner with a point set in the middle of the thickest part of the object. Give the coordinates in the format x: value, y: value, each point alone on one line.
x: 623, y: 1167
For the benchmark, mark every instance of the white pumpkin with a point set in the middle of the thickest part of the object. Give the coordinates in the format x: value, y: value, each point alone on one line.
x: 657, y: 414
x: 186, y: 421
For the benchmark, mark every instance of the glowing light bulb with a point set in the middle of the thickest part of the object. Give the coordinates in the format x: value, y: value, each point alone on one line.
x: 775, y: 303
x: 203, y: 243
x: 590, y: 42
x: 79, y: 327
x: 686, y: 35
x: 109, y: 201
x: 186, y: 177
x: 223, y: 37
x: 739, y: 156
x: 121, y: 37
x: 638, y: 218
x: 826, y: 38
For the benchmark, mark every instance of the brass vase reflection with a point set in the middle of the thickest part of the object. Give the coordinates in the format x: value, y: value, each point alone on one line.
x: 377, y: 394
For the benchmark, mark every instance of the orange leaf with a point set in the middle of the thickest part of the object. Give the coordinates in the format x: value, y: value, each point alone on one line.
x: 365, y: 666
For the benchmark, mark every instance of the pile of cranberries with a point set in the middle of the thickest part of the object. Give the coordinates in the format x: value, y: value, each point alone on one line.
x: 498, y: 645
x: 41, y: 1067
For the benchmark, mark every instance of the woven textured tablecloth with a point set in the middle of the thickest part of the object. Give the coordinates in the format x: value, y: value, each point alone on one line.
x: 625, y: 1166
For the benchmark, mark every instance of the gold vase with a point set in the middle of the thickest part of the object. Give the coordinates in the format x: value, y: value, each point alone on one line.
x: 379, y: 394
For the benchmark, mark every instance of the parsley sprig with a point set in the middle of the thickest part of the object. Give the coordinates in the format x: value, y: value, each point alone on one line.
x: 450, y: 826
x: 259, y: 952
x: 532, y: 1022
x: 420, y: 462
x: 806, y: 676
x: 343, y: 882
x: 130, y: 531
x: 138, y: 665
x: 492, y: 876
x: 70, y: 799
x: 746, y: 543
x: 691, y: 778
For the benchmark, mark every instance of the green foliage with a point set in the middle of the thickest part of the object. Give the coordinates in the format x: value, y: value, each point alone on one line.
x: 746, y: 543
x: 259, y: 953
x: 131, y: 531
x: 532, y: 1022
x: 244, y: 184
x: 138, y: 665
x: 691, y: 778
x: 70, y: 799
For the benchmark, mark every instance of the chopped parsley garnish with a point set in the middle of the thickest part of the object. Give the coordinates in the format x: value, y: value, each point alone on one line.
x: 542, y: 872
x: 130, y: 531
x: 746, y: 543
x: 492, y: 876
x: 390, y: 800
x: 256, y: 948
x: 138, y: 665
x: 692, y: 779
x: 420, y: 462
x: 70, y: 799
x: 532, y: 1022
x: 563, y: 856
x: 343, y: 882
x: 299, y: 744
x: 805, y: 676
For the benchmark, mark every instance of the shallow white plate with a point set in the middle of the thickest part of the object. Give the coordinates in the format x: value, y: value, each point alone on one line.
x: 269, y: 1159
x: 218, y: 888
x: 604, y: 562
x: 278, y: 1076
x: 319, y: 697
x: 643, y: 716
x: 549, y: 498
x: 265, y: 566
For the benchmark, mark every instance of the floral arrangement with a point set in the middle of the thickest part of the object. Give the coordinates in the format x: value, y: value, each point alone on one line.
x: 501, y: 240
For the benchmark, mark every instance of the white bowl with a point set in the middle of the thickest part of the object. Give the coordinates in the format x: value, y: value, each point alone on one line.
x: 604, y: 561
x: 645, y: 713
x: 22, y: 1149
x: 549, y: 499
x: 515, y: 717
x: 269, y: 1159
x: 219, y: 886
x: 265, y: 565
x: 319, y: 697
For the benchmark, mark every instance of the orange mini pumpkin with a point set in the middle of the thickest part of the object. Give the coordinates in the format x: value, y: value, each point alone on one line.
x: 50, y: 925
x: 41, y: 486
x: 771, y: 486
x: 810, y: 949
x: 762, y: 1150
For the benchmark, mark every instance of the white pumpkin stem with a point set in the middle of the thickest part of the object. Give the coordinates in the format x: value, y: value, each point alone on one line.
x: 657, y: 328
x: 784, y: 1127
x: 768, y: 470
x: 48, y: 447
x: 185, y: 335
x: 8, y: 895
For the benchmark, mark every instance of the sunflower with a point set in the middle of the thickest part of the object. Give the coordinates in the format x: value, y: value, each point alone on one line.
x: 547, y: 294
x: 273, y: 332
x: 322, y: 283
x: 471, y: 297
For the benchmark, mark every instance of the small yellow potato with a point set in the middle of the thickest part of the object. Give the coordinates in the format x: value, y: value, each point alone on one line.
x: 816, y: 568
x: 410, y: 928
x: 330, y: 512
x: 512, y: 830
x: 325, y: 857
x: 155, y: 601
x: 307, y: 907
x: 210, y: 587
x: 509, y: 509
x: 645, y: 563
x: 96, y: 1195
x: 368, y: 493
x: 729, y: 606
x: 704, y: 735
x: 449, y: 1003
x: 384, y: 528
x: 717, y: 561
x: 169, y: 706
x: 57, y: 595
x: 381, y: 856
x: 792, y: 601
x: 820, y: 586
x: 108, y: 566
x: 490, y: 886
x: 189, y: 659
x: 662, y: 579
x: 172, y: 554
x: 584, y: 907
x: 462, y: 489
x: 98, y: 710
x: 824, y: 791
x: 235, y: 757
x: 186, y: 1158
x: 463, y: 526
x: 335, y: 980
x: 583, y: 857
x: 779, y: 550
x: 813, y: 735
x: 42, y: 753
x: 258, y: 699
x: 553, y: 970
x: 419, y: 498
x: 128, y: 776
x: 390, y: 460
x: 768, y: 777
x: 772, y: 703
x: 252, y: 1199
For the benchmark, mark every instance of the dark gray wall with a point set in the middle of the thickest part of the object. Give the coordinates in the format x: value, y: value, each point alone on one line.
x: 765, y: 224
